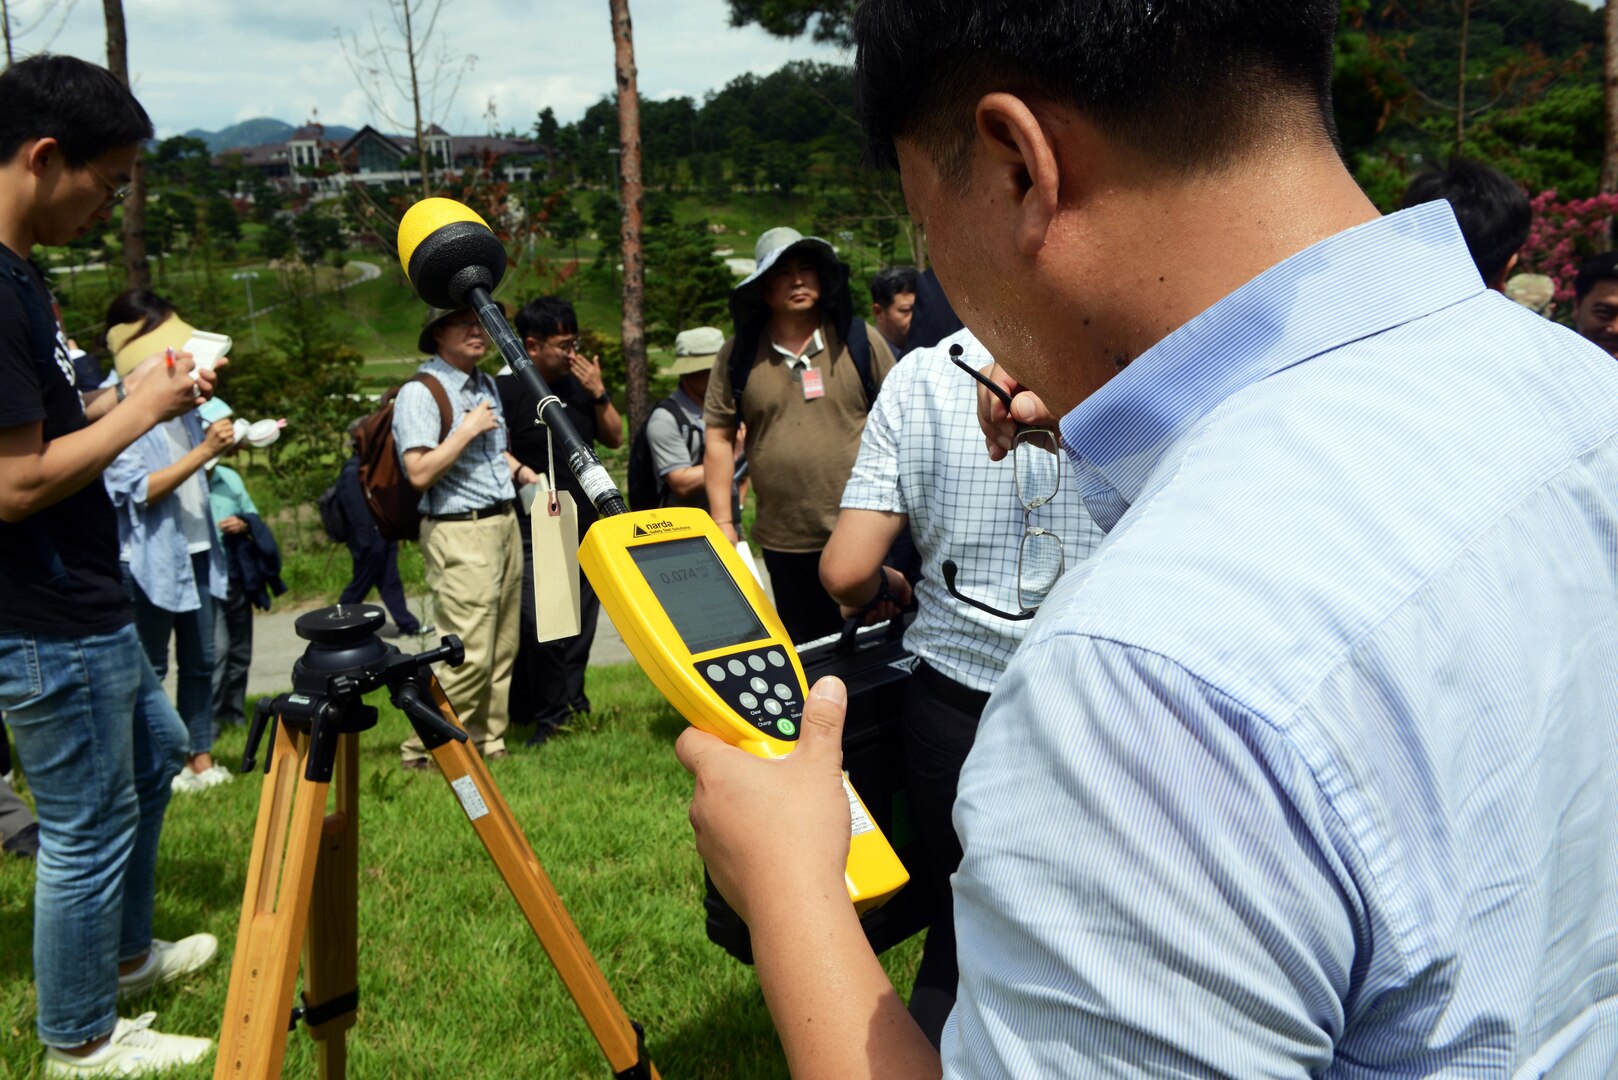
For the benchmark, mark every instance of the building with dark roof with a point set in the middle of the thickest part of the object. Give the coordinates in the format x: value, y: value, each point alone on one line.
x: 308, y: 162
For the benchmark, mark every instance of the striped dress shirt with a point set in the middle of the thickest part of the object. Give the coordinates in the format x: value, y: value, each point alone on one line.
x: 922, y: 455
x: 1312, y: 769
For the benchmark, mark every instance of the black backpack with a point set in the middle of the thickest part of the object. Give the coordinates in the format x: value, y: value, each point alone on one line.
x: 643, y: 485
x: 332, y: 517
x: 745, y: 350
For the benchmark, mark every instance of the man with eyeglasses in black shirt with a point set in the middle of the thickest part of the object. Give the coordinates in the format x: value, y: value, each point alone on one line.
x: 95, y: 737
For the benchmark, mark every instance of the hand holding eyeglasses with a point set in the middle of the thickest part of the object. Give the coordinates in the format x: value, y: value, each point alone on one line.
x: 1021, y: 427
x: 1004, y: 407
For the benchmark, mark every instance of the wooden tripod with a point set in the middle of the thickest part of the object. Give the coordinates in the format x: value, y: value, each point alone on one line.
x: 305, y: 858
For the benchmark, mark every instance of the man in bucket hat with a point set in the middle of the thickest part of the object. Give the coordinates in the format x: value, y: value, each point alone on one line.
x: 810, y: 371
x: 469, y: 539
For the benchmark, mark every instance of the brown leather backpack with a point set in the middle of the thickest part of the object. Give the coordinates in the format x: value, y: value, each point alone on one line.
x: 388, y: 494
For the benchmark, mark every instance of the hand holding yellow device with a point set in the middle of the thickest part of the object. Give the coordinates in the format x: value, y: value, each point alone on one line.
x: 701, y: 628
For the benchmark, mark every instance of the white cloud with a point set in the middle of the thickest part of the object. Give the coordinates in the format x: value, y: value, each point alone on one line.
x: 211, y: 63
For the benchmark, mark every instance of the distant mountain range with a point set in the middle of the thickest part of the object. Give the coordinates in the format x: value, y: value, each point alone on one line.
x: 257, y: 132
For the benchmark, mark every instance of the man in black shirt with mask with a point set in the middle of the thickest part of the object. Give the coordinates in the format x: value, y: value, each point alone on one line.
x: 94, y: 735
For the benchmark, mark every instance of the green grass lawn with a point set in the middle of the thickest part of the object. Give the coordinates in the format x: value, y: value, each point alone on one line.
x: 452, y: 980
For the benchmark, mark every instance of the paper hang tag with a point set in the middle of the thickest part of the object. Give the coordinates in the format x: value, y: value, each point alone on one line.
x: 814, y: 385
x: 554, y: 524
x: 746, y: 552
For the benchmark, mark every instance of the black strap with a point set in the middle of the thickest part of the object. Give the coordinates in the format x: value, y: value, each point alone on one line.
x: 672, y: 407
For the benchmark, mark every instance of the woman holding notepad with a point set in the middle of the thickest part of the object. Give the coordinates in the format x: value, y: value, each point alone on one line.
x: 172, y: 559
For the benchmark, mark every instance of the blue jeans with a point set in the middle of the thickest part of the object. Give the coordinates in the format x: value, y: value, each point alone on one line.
x: 99, y: 744
x: 192, y: 632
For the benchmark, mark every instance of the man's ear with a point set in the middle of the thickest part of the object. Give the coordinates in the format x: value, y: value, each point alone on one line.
x: 531, y: 345
x: 41, y: 153
x: 1022, y: 164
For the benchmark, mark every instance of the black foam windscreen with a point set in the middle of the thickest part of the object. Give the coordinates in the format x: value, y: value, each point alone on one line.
x: 453, y: 259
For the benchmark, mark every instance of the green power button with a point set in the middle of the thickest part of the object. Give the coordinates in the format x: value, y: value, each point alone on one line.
x: 786, y: 727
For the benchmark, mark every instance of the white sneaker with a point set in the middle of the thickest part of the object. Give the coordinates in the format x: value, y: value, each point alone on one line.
x: 188, y: 782
x: 167, y: 961
x: 134, y: 1050
x: 216, y: 774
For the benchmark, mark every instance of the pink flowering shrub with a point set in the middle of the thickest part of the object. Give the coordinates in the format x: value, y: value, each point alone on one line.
x: 1563, y: 235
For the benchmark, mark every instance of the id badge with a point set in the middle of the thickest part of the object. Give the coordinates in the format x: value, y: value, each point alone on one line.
x: 554, y: 523
x: 814, y: 384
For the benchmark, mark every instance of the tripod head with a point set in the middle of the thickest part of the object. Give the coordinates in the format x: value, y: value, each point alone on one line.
x: 345, y: 661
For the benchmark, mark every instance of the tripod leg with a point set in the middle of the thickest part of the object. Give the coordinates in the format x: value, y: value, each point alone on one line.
x: 618, y: 1038
x: 275, y: 907
x: 331, y: 950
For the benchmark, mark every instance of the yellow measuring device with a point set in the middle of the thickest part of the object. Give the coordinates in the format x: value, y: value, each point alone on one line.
x: 700, y: 626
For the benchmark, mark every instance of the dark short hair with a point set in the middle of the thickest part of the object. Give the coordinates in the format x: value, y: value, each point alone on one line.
x: 80, y: 105
x: 545, y: 317
x: 1596, y: 269
x: 137, y: 305
x: 1186, y: 82
x: 892, y: 282
x: 1491, y: 207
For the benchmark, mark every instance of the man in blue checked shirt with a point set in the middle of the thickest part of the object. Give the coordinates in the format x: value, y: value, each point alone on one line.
x: 1308, y: 770
x: 921, y: 464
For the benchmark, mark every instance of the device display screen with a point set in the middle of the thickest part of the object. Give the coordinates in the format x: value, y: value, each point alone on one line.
x: 696, y: 590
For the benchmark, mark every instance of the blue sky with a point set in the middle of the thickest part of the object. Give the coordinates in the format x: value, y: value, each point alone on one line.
x: 209, y: 63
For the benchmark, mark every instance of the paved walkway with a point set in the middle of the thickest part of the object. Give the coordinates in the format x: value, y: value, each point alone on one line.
x: 276, y: 646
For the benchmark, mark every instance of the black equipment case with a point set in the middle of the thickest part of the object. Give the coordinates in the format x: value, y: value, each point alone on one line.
x: 874, y: 665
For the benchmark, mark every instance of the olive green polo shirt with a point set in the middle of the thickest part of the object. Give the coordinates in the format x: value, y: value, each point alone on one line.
x: 800, y: 452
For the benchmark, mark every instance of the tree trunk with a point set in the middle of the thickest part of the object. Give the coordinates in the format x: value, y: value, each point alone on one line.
x: 1609, y: 155
x: 1460, y: 83
x: 634, y: 325
x: 5, y: 24
x: 415, y: 97
x: 137, y: 270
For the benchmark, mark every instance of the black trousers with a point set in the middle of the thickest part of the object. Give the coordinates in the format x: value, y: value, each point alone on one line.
x: 232, y: 656
x: 376, y: 565
x: 940, y: 724
x: 547, y: 684
x: 805, y: 609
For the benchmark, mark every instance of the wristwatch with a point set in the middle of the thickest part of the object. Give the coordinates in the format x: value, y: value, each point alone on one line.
x: 603, y: 398
x: 118, y: 390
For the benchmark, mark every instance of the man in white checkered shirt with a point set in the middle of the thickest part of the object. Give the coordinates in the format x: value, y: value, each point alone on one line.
x: 921, y: 461
x: 469, y: 539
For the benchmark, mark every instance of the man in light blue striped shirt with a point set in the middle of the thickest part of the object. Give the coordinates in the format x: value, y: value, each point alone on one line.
x: 1309, y: 770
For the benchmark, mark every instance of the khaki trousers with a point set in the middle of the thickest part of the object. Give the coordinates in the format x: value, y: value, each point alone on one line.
x: 474, y: 569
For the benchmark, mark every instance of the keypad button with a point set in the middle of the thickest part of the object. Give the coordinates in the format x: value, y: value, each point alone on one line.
x: 783, y: 691
x: 756, y: 662
x: 716, y: 673
x: 775, y: 658
x: 759, y: 685
x: 737, y: 667
x: 772, y: 706
x: 786, y: 727
x: 748, y: 700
